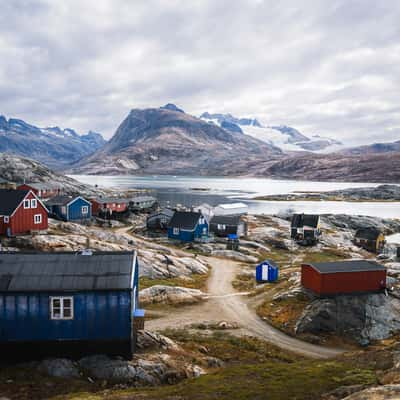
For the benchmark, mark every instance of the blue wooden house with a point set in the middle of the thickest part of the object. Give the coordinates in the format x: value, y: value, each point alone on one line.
x: 68, y: 304
x: 68, y: 208
x: 187, y: 226
x: 267, y: 271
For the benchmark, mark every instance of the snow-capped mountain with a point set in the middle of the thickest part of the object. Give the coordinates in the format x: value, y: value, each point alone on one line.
x: 53, y: 146
x: 284, y: 137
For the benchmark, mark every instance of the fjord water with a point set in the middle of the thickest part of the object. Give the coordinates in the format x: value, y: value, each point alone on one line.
x: 195, y: 190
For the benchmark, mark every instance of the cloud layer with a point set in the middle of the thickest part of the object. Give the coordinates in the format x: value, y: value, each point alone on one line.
x: 324, y: 67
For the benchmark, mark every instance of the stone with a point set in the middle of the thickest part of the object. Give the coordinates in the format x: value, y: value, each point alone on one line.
x: 60, y: 368
x: 170, y: 295
x: 150, y: 340
x: 387, y: 392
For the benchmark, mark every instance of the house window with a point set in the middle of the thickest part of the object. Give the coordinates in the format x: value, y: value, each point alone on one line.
x: 175, y: 231
x: 33, y: 203
x: 61, y: 308
x: 64, y: 209
x: 37, y: 219
x: 6, y: 220
x: 221, y: 227
x: 85, y: 210
x: 27, y: 204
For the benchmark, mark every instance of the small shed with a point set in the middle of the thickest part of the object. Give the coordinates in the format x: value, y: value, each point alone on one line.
x: 159, y: 220
x: 267, y: 271
x: 223, y: 225
x: 370, y: 238
x: 21, y: 212
x: 68, y: 304
x: 69, y: 208
x: 188, y: 226
x: 142, y: 203
x: 305, y: 228
x: 231, y: 209
x: 343, y: 277
x: 42, y: 190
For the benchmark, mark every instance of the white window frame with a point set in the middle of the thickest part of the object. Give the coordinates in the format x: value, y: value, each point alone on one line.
x: 63, y: 210
x: 37, y: 219
x: 27, y: 204
x: 6, y: 219
x: 221, y: 227
x: 85, y: 210
x: 61, y: 316
x: 33, y: 203
x: 175, y: 231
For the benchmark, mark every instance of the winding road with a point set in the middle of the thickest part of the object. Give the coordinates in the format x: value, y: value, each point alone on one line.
x: 225, y: 304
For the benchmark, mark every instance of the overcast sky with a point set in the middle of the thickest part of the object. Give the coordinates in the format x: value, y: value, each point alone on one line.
x: 325, y: 67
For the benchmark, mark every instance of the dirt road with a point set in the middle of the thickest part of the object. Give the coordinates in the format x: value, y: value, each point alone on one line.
x: 226, y: 304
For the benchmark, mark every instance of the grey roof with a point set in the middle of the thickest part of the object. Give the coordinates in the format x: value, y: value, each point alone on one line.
x: 10, y: 199
x: 62, y: 200
x: 104, y: 200
x: 347, y: 266
x: 32, y: 272
x: 233, y: 220
x: 2, y: 180
x: 301, y: 220
x: 186, y: 220
x: 143, y: 199
x: 166, y: 211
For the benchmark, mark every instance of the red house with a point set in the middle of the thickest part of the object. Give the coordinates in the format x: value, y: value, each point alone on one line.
x: 21, y: 211
x: 42, y: 190
x: 109, y: 206
x: 343, y: 277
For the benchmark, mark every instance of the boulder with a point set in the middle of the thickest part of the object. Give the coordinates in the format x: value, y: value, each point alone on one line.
x: 152, y: 340
x: 387, y: 392
x: 363, y: 317
x: 234, y: 255
x: 170, y: 295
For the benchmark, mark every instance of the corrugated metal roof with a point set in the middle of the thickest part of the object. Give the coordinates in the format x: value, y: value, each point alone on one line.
x: 185, y: 220
x: 368, y: 233
x: 233, y: 220
x: 59, y: 200
x: 10, y: 199
x: 347, y: 266
x: 66, y: 271
x: 301, y: 220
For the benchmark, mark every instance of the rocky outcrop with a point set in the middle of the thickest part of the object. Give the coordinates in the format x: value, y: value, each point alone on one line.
x: 386, y: 392
x: 364, y: 318
x: 234, y: 255
x: 170, y: 295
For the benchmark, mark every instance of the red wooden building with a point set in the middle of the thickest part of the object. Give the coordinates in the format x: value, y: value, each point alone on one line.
x: 21, y: 211
x: 42, y: 190
x: 343, y: 277
x: 101, y: 206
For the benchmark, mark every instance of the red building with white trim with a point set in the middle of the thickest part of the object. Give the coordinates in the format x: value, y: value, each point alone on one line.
x: 343, y: 277
x: 42, y: 190
x: 21, y: 212
x: 109, y: 206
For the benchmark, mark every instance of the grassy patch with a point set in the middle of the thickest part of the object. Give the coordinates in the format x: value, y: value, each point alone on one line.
x: 243, y: 282
x: 324, y: 255
x: 196, y: 281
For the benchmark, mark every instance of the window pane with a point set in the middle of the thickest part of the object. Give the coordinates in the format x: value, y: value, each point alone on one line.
x: 67, y: 313
x: 57, y: 303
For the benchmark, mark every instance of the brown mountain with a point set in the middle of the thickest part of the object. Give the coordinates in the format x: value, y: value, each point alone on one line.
x: 169, y: 141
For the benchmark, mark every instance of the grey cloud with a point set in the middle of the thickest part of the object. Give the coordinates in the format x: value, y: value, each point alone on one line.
x: 328, y: 68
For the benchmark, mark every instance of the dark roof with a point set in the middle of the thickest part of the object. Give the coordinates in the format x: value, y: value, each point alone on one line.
x: 33, y: 272
x: 143, y: 199
x: 301, y: 220
x: 368, y: 233
x: 10, y: 199
x: 41, y: 185
x: 107, y: 200
x: 61, y: 200
x: 165, y: 211
x: 233, y: 220
x: 186, y: 220
x: 347, y: 266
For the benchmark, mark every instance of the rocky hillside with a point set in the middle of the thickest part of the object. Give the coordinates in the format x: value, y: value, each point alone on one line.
x: 54, y: 147
x: 335, y: 167
x: 167, y: 140
x: 17, y: 169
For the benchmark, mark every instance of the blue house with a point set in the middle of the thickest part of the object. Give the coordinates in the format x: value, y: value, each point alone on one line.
x: 68, y: 208
x: 267, y: 272
x: 187, y: 226
x: 68, y: 304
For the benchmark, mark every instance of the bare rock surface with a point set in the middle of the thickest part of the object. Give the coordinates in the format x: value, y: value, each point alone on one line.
x: 170, y: 295
x: 386, y: 392
x: 363, y: 317
x: 60, y: 368
x: 234, y: 255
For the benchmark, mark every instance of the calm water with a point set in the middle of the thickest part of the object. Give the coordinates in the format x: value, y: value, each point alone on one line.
x: 193, y: 191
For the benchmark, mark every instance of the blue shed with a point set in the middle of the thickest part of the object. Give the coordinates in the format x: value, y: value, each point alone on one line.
x: 187, y: 226
x: 68, y: 304
x: 68, y: 208
x: 267, y: 272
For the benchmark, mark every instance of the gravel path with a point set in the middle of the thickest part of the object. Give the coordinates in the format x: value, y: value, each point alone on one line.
x: 224, y: 304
